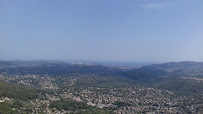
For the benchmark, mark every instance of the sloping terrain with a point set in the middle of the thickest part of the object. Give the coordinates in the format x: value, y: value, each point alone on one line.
x: 59, y: 87
x: 54, y: 68
x: 169, y: 76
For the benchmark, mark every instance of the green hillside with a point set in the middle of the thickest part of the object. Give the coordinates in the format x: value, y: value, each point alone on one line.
x: 17, y: 91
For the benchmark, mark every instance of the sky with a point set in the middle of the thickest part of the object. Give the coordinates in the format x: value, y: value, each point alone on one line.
x: 103, y: 30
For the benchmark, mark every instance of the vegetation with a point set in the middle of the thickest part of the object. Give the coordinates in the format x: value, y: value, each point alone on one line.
x: 6, y: 108
x: 77, y: 107
x: 79, y: 88
x: 104, y: 82
x: 179, y: 86
x: 55, y: 69
x: 121, y: 104
x: 17, y: 92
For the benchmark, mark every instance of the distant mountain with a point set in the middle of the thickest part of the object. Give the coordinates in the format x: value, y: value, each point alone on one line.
x: 177, y: 69
x: 186, y: 68
x: 54, y: 68
x: 172, y: 69
x: 168, y: 76
x: 62, y: 85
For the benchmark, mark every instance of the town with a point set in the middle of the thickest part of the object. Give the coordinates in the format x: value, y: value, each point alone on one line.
x: 95, y: 91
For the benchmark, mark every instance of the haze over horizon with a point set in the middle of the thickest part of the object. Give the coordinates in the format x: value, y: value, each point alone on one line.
x: 116, y: 30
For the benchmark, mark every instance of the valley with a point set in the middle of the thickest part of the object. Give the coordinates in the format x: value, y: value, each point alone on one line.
x: 51, y: 87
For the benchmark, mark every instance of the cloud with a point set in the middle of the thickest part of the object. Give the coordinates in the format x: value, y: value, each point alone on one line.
x: 153, y: 5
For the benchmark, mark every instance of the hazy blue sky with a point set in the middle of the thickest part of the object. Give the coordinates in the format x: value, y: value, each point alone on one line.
x: 118, y: 30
